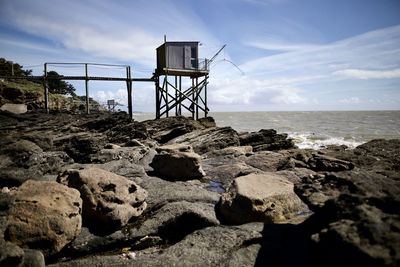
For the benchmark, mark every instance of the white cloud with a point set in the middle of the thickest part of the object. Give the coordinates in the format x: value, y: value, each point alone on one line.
x: 110, y: 31
x: 119, y: 96
x: 277, y: 45
x: 351, y: 100
x: 369, y: 74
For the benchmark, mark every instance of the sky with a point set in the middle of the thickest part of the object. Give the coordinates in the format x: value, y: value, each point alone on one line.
x: 292, y: 54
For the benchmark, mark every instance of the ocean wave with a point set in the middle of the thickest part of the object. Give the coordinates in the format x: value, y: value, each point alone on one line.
x: 320, y: 141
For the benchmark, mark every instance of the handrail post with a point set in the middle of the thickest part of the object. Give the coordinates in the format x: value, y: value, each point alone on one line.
x: 46, y: 90
x: 87, y: 88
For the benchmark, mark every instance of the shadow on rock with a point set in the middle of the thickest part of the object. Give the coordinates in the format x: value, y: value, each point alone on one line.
x: 284, y: 245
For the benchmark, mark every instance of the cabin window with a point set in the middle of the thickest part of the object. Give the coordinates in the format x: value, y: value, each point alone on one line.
x: 193, y: 58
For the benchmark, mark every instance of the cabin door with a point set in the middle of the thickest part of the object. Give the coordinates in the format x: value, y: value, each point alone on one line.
x: 187, y: 57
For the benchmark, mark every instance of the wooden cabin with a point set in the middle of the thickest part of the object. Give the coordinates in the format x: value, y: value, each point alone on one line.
x: 180, y: 58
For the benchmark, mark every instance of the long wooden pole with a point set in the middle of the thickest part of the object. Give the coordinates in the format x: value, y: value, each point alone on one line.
x: 46, y: 90
x: 87, y: 89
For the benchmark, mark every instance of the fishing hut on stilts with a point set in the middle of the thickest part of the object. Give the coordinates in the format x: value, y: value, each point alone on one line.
x: 181, y: 80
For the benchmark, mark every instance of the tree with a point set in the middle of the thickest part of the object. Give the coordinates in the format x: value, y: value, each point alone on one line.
x: 9, y: 68
x: 57, y: 86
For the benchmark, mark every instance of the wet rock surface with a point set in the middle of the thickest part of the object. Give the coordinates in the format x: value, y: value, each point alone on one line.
x: 353, y: 195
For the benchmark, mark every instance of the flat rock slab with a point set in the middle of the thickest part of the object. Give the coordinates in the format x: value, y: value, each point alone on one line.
x: 212, y: 246
x: 161, y: 191
x: 109, y: 200
x: 45, y: 215
x: 264, y: 197
x: 210, y: 139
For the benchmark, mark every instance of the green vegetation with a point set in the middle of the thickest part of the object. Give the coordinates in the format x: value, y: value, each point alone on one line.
x: 59, y: 86
x: 31, y: 93
x: 9, y: 68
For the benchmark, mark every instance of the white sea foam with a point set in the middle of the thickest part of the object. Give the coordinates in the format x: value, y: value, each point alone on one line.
x: 315, y: 141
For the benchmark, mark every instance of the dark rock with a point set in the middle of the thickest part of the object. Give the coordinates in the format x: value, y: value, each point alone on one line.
x: 33, y: 258
x: 326, y: 163
x: 177, y: 162
x: 365, y: 232
x: 81, y: 147
x: 10, y: 254
x: 356, y: 211
x: 378, y: 155
x: 19, y: 167
x: 266, y: 140
x: 173, y: 221
x: 211, y: 246
x: 209, y: 139
x: 166, y: 129
x: 45, y: 142
x: 208, y: 122
x: 124, y: 132
x: 166, y: 224
x: 316, y: 189
x: 103, y: 124
x: 266, y: 160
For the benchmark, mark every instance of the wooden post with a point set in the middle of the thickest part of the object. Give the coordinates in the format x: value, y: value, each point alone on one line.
x: 176, y: 95
x: 46, y: 90
x: 193, y: 100
x: 129, y: 89
x: 205, y: 97
x: 87, y: 89
x: 166, y: 96
x: 197, y: 99
x: 157, y: 82
x: 180, y: 95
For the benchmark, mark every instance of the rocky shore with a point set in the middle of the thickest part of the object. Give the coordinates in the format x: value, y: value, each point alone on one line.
x: 101, y: 190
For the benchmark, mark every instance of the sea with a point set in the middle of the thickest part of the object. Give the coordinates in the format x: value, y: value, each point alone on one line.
x: 313, y: 129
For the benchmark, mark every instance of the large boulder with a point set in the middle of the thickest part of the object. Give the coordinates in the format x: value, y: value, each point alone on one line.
x: 109, y: 200
x: 209, y: 139
x: 45, y: 215
x: 177, y: 162
x: 265, y: 197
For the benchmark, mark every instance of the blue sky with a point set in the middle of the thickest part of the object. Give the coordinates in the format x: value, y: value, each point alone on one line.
x: 295, y: 54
